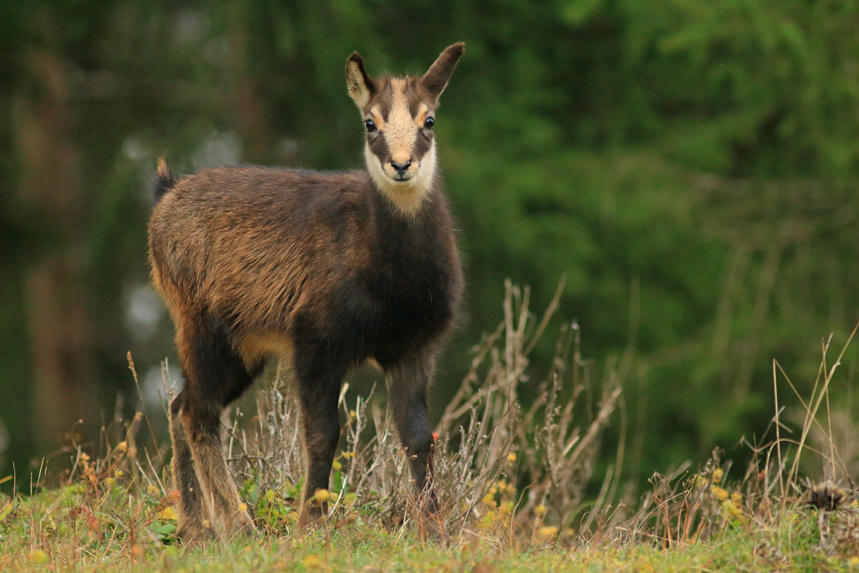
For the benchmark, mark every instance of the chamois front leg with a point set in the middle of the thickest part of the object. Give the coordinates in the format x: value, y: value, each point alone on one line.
x: 408, y: 383
x: 318, y: 388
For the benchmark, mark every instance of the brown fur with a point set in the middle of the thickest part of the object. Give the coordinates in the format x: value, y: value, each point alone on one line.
x: 325, y: 269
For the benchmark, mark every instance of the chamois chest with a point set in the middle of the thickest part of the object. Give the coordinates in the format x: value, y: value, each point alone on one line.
x: 409, y: 292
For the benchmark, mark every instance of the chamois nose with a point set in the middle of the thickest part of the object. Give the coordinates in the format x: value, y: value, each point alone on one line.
x: 400, y: 167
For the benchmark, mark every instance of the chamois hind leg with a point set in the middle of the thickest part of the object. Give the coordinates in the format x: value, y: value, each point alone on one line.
x: 215, y: 375
x: 192, y: 511
x: 319, y: 380
x: 408, y: 383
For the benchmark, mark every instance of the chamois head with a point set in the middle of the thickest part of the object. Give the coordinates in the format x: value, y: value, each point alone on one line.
x: 399, y: 114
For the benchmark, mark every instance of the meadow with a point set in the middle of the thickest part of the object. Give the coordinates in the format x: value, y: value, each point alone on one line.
x: 517, y: 484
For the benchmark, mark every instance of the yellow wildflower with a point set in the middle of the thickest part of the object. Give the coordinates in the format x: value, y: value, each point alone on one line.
x: 38, y: 556
x: 733, y: 509
x: 719, y: 492
x: 547, y: 532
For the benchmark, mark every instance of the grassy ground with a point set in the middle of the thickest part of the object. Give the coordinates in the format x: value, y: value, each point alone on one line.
x: 511, y: 482
x: 63, y: 530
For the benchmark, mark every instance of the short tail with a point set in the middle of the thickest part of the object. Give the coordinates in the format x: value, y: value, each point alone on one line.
x: 164, y: 181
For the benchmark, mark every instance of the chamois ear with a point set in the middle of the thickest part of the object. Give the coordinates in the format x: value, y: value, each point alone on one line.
x: 435, y: 80
x: 361, y: 86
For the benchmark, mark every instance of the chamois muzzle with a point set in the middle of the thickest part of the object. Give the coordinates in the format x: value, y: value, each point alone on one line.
x: 401, y: 168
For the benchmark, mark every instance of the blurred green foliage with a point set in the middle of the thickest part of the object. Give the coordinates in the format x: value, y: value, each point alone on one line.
x: 690, y: 166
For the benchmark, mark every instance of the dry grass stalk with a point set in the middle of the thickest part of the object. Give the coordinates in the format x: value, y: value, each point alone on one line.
x: 542, y: 458
x: 514, y: 475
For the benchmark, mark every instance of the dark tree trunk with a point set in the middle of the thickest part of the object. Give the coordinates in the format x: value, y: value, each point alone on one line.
x: 58, y: 320
x: 250, y: 106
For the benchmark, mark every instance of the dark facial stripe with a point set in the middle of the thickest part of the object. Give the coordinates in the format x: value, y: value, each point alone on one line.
x: 413, y: 96
x: 422, y: 144
x: 378, y: 146
x: 384, y: 99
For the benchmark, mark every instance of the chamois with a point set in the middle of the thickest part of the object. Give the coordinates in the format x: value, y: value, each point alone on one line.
x: 326, y: 270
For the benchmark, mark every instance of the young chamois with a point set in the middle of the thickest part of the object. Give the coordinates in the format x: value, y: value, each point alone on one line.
x: 326, y: 270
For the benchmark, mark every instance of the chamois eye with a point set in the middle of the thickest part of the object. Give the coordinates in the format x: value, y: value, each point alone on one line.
x: 429, y: 122
x: 371, y: 125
